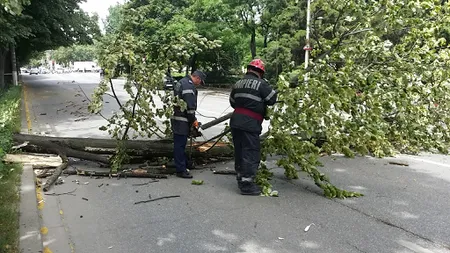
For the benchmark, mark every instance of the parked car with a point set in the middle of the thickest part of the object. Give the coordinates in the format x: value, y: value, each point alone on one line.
x: 34, y: 71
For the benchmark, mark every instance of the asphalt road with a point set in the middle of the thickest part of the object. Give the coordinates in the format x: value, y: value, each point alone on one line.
x: 405, y: 208
x: 58, y: 105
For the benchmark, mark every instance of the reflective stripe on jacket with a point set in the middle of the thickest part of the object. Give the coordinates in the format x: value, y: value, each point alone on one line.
x: 249, y: 97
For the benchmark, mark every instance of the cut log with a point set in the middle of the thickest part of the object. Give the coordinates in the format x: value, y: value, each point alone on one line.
x: 42, y: 148
x: 145, y: 148
x: 36, y: 160
x: 52, y: 179
x: 44, y: 173
x: 59, y: 150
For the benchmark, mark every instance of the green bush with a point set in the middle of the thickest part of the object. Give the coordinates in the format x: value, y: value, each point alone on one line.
x: 9, y: 121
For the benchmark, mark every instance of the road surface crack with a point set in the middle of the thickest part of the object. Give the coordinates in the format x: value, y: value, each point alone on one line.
x: 388, y: 223
x: 380, y: 220
x: 356, y: 247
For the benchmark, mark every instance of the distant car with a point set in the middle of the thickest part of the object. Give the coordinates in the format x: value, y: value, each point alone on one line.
x: 44, y: 71
x: 34, y: 71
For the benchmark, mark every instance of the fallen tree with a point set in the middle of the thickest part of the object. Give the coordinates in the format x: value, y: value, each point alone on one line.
x: 94, y: 149
x: 101, y: 150
x: 376, y: 98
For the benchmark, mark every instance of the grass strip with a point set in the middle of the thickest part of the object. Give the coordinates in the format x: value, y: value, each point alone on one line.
x: 9, y: 173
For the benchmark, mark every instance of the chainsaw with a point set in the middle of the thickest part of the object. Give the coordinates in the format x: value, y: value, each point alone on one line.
x: 194, y: 132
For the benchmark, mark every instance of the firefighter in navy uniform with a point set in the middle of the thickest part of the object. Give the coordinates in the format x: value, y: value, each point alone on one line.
x: 249, y: 97
x: 184, y: 121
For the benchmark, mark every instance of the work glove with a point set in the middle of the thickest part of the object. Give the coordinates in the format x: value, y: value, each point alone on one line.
x: 196, y: 124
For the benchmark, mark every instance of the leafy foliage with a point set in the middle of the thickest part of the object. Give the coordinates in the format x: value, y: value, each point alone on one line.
x: 66, y: 55
x: 9, y: 215
x: 9, y: 174
x: 14, y: 7
x: 367, y: 93
x: 52, y: 24
x: 114, y: 19
x: 42, y: 25
x: 144, y: 59
x: 12, y: 28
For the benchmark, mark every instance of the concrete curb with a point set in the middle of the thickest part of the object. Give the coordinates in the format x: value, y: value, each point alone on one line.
x: 30, y: 237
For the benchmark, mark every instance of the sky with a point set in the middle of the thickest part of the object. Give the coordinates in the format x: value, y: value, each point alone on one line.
x: 100, y: 7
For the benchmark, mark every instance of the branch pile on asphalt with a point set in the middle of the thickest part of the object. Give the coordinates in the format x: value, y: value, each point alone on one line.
x: 101, y: 150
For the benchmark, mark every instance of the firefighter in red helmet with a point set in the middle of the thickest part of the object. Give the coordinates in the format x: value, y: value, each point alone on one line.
x: 249, y: 97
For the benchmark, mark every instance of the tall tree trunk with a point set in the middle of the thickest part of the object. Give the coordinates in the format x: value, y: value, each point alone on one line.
x: 14, y: 66
x: 3, y: 52
x: 253, y: 43
x: 265, y: 40
x: 193, y: 62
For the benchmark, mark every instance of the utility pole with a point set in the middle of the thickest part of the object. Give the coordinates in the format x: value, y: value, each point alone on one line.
x: 307, y: 47
x: 14, y: 66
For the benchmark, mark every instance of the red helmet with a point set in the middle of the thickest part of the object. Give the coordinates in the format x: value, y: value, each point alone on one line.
x: 257, y: 63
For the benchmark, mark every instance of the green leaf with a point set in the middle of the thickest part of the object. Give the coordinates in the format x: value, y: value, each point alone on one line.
x: 197, y: 182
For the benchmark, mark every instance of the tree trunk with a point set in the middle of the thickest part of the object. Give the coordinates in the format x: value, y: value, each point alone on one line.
x: 265, y: 41
x: 216, y: 121
x: 253, y: 43
x: 145, y: 148
x: 3, y: 52
x: 43, y: 147
x: 193, y: 62
x: 14, y: 66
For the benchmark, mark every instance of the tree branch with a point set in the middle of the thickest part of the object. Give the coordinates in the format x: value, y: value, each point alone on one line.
x: 99, y: 113
x: 151, y: 200
x: 138, y: 94
x: 356, y: 32
x: 341, y: 39
x: 115, y: 95
x: 316, y: 37
x: 337, y: 21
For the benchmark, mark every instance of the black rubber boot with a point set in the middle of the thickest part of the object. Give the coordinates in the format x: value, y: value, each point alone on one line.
x: 250, y: 188
x: 240, y: 184
x: 239, y: 181
x: 184, y: 174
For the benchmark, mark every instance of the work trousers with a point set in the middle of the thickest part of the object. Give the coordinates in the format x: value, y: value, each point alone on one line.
x: 179, y: 150
x: 247, y: 154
